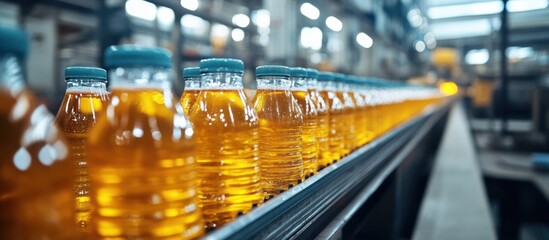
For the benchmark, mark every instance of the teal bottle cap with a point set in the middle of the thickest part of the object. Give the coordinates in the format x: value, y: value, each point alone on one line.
x: 298, y: 72
x: 191, y: 72
x: 137, y: 56
x: 340, y: 77
x: 272, y: 70
x: 325, y: 76
x: 230, y: 65
x: 78, y: 72
x: 312, y: 73
x: 14, y: 41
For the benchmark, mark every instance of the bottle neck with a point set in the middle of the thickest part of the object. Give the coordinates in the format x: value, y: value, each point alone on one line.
x: 139, y: 78
x: 11, y: 74
x: 328, y: 85
x: 86, y: 85
x: 192, y: 83
x: 312, y: 83
x: 221, y: 80
x: 298, y: 84
x: 273, y: 82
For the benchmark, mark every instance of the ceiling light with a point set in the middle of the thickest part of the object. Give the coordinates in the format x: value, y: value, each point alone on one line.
x: 310, y: 11
x: 333, y: 23
x: 364, y: 40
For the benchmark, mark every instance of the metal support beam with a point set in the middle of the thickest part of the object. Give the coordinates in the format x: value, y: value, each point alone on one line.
x: 504, y: 41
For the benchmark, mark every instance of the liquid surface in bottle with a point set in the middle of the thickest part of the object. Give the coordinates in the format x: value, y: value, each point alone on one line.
x: 309, y: 142
x: 323, y: 129
x: 77, y: 115
x: 226, y: 130
x: 348, y: 118
x: 336, y: 124
x: 280, y: 132
x: 36, y: 197
x: 188, y: 99
x: 141, y: 162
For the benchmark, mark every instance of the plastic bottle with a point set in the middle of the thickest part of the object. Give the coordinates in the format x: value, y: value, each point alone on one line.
x: 141, y: 153
x: 349, y: 110
x: 84, y: 100
x: 323, y: 128
x: 227, y: 131
x: 335, y: 114
x: 353, y: 89
x: 191, y: 76
x: 298, y: 77
x: 280, y: 130
x: 36, y: 180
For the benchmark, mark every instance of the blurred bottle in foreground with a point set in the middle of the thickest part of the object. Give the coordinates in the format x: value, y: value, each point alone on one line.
x: 36, y: 180
x: 141, y: 153
x: 84, y: 99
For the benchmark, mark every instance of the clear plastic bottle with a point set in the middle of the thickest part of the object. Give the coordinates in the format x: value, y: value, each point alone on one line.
x: 141, y: 153
x: 191, y: 76
x: 280, y: 130
x: 324, y: 157
x: 353, y: 89
x: 36, y: 180
x: 84, y: 100
x: 335, y: 114
x: 298, y: 77
x: 227, y: 153
x: 349, y: 110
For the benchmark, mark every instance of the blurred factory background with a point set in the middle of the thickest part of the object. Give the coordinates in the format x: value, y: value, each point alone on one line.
x: 497, y: 52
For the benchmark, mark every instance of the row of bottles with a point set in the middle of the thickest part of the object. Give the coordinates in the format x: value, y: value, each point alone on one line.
x: 137, y: 163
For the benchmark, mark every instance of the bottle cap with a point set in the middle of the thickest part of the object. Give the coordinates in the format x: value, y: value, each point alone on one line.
x: 272, y: 70
x: 339, y: 77
x: 297, y: 72
x: 14, y: 41
x: 325, y: 76
x: 221, y: 65
x: 137, y: 56
x: 312, y: 73
x: 191, y: 72
x: 78, y: 72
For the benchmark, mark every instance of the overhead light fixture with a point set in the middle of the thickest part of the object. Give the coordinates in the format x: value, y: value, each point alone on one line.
x: 310, y: 11
x: 190, y: 4
x: 461, y: 29
x: 477, y: 56
x: 311, y: 38
x: 141, y: 9
x: 333, y: 23
x: 237, y: 34
x: 165, y: 16
x: 485, y: 8
x: 262, y: 18
x: 526, y: 5
x: 430, y: 40
x: 364, y: 40
x: 415, y: 18
x: 241, y: 20
x: 469, y: 9
x: 419, y: 46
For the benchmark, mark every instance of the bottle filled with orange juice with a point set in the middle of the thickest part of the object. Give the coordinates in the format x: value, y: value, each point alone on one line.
x: 298, y: 78
x: 227, y: 133
x: 280, y: 130
x: 191, y: 76
x: 348, y: 116
x: 353, y: 89
x: 84, y: 100
x: 36, y: 179
x: 141, y: 153
x: 323, y: 123
x: 335, y: 115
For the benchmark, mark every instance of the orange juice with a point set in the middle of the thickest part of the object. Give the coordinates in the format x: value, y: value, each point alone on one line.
x: 227, y: 133
x: 141, y: 154
x: 280, y: 130
x: 84, y: 101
